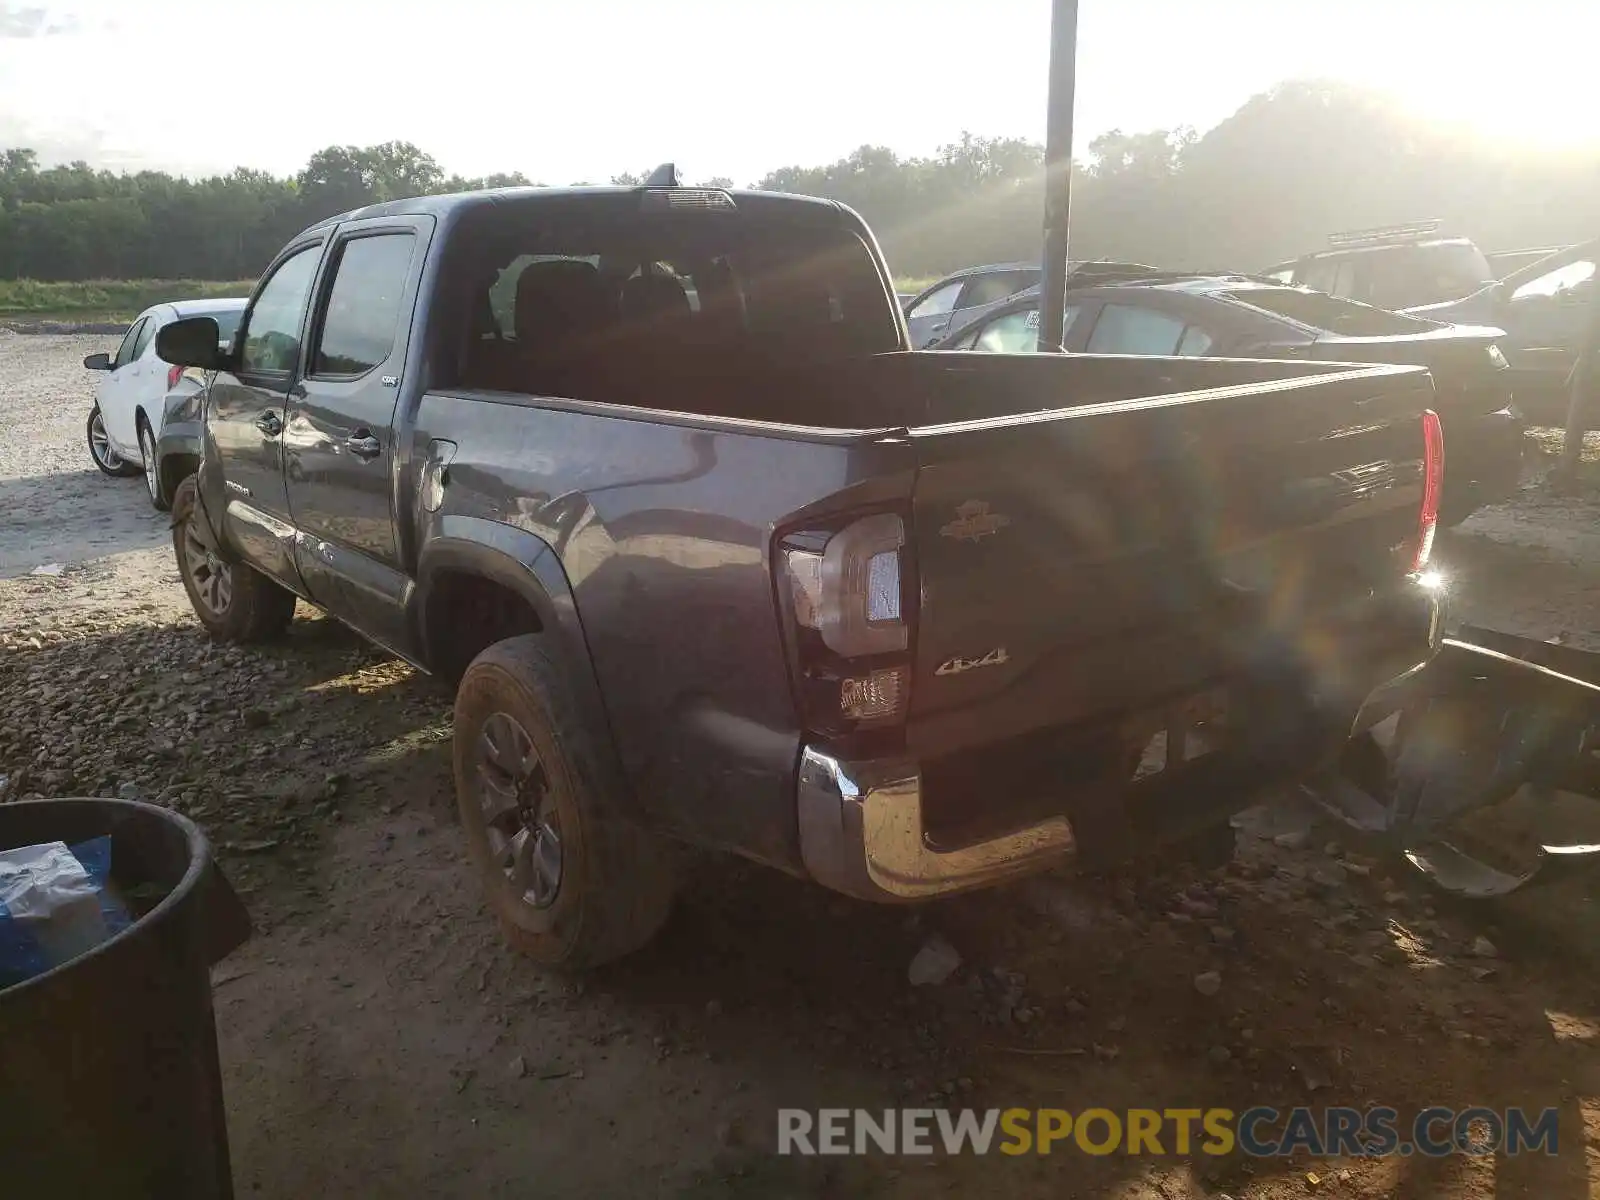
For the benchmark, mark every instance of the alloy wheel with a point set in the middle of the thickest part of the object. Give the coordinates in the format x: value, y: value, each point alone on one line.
x: 519, y: 811
x: 212, y: 578
x: 100, y: 444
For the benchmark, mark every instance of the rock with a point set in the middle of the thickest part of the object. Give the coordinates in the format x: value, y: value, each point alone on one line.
x: 1294, y: 839
x: 1219, y: 1055
x: 1222, y: 935
x: 128, y: 791
x: 256, y: 717
x: 1208, y: 983
x: 1117, y: 1024
x: 1483, y: 973
x: 519, y: 1067
x: 1074, y: 1008
x: 1482, y: 947
x: 934, y: 963
x: 713, y: 1008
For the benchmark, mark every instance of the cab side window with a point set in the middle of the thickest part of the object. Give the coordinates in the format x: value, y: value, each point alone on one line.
x: 272, y: 326
x: 358, y: 329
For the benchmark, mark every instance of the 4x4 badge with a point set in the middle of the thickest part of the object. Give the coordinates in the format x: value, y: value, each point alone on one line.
x: 974, y: 521
x: 958, y: 665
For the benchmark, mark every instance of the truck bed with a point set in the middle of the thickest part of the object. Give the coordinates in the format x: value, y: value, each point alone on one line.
x: 1121, y: 531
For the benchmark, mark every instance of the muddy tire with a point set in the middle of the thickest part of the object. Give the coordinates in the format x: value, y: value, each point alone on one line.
x: 234, y: 602
x: 105, y: 458
x: 572, y: 884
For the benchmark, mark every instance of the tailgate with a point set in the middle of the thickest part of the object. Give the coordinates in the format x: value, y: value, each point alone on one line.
x: 1469, y: 379
x: 1085, y: 562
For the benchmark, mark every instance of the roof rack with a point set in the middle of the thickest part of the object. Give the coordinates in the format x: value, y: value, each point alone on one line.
x: 1383, y: 235
x: 1102, y: 270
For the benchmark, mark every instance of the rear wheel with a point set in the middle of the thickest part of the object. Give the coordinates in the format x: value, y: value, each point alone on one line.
x: 152, y: 466
x: 571, y: 883
x: 234, y: 602
x: 101, y: 451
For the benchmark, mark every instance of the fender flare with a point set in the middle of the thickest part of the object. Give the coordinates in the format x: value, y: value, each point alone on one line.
x: 527, y: 565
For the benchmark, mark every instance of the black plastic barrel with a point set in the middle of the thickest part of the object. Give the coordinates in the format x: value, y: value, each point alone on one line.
x: 109, y: 1081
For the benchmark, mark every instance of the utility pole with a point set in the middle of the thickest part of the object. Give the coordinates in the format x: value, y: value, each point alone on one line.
x: 1583, y: 383
x: 1058, y: 171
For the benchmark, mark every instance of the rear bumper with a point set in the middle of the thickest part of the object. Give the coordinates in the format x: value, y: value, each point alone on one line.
x: 864, y: 826
x: 861, y: 833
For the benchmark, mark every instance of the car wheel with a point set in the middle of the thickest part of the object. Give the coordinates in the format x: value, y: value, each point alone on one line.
x: 152, y: 466
x: 100, y: 449
x: 571, y: 883
x: 235, y: 602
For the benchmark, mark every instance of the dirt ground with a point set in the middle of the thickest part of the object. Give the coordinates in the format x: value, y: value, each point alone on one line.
x: 378, y: 1039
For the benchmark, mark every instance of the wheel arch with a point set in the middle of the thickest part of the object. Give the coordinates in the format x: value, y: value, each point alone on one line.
x: 480, y: 559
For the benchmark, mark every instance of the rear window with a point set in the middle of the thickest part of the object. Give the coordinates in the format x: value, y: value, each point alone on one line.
x: 227, y: 322
x: 689, y: 289
x: 1424, y: 274
x: 1322, y: 311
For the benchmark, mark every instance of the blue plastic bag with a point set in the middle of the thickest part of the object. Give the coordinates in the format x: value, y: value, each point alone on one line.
x: 56, y: 902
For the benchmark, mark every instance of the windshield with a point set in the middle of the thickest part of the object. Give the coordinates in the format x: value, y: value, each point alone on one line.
x: 1321, y: 311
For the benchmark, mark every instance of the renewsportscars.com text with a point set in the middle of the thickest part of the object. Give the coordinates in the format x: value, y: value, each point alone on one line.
x: 1260, y: 1132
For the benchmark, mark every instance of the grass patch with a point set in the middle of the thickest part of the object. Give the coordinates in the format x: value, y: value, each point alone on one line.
x: 104, y: 299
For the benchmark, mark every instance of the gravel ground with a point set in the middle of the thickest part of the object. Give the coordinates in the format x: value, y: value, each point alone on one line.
x: 378, y: 1040
x: 58, y: 507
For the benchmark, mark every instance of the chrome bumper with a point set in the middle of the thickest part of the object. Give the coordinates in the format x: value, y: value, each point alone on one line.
x: 861, y: 833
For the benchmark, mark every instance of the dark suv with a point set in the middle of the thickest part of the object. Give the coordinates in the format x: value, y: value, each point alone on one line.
x: 1397, y: 266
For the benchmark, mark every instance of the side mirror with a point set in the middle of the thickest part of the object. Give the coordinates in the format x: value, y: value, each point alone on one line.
x: 97, y: 362
x: 191, y: 342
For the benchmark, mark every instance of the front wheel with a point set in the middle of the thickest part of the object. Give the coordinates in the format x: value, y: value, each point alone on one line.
x: 100, y: 449
x: 234, y: 602
x: 572, y: 883
x: 152, y: 467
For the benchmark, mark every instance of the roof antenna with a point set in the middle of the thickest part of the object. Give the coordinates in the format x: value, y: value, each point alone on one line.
x: 666, y: 175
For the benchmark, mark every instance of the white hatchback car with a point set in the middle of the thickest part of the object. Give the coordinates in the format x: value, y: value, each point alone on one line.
x: 125, y: 423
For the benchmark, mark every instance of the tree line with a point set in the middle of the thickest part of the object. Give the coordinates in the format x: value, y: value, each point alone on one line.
x: 1290, y: 166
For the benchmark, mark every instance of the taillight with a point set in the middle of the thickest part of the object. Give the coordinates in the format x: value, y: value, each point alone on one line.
x: 173, y: 375
x: 1432, y: 486
x: 849, y: 597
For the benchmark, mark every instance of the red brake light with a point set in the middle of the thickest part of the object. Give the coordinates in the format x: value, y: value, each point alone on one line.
x: 850, y: 595
x: 173, y: 375
x: 1432, y: 486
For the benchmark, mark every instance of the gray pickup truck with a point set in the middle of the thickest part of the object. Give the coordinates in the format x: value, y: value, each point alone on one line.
x: 718, y: 561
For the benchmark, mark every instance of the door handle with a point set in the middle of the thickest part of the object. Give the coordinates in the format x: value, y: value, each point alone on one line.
x: 270, y: 423
x: 363, y: 445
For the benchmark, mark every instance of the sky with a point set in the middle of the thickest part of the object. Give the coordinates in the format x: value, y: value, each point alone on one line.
x: 568, y: 92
